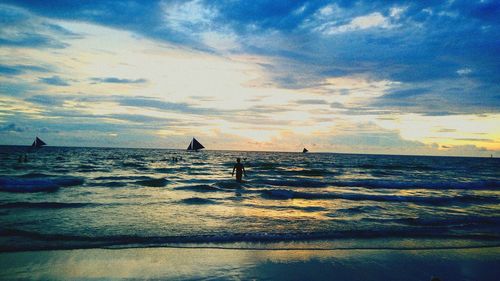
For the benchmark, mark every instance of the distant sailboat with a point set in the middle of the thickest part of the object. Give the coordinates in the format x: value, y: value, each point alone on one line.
x: 195, y: 145
x: 305, y: 150
x: 38, y: 143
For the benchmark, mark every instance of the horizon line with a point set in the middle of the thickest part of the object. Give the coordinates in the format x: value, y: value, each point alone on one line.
x: 266, y: 151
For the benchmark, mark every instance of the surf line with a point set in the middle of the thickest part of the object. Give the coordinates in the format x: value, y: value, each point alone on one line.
x: 118, y: 247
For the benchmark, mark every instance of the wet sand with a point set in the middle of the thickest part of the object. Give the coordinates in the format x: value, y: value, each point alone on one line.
x: 237, y: 264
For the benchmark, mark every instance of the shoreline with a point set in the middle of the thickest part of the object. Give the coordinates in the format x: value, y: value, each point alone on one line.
x: 162, y: 263
x: 338, y: 244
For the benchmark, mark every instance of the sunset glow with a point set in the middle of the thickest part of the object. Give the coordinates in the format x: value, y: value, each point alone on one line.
x: 194, y: 68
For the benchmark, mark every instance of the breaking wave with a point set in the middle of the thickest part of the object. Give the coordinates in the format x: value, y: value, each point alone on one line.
x: 37, y: 184
x: 63, y: 241
x: 290, y: 194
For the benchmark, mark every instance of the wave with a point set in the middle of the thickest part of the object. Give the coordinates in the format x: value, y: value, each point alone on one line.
x: 289, y: 194
x: 197, y: 201
x: 278, y: 194
x: 165, y: 170
x: 450, y: 221
x: 437, y: 224
x: 113, y: 184
x: 132, y: 165
x: 229, y: 184
x: 86, y: 167
x: 45, y: 241
x: 114, y: 178
x: 265, y: 166
x: 200, y: 188
x: 200, y: 164
x: 393, y: 184
x: 385, y: 184
x: 305, y: 209
x: 44, y: 205
x: 153, y: 182
x: 412, y: 167
x: 93, y: 170
x: 37, y: 184
x: 312, y: 172
x: 359, y: 209
x: 34, y: 175
x: 292, y: 183
x: 61, y: 170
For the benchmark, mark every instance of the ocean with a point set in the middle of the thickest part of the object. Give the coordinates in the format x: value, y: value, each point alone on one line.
x: 72, y: 198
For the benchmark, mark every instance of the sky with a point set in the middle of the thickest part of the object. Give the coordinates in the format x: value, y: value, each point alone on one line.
x: 391, y: 77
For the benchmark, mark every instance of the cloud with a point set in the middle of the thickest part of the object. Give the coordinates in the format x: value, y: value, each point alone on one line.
x: 188, y: 15
x: 404, y: 42
x: 46, y: 130
x: 137, y: 118
x: 147, y: 102
x: 445, y: 130
x: 361, y: 138
x: 56, y: 107
x: 263, y: 15
x: 397, y: 12
x: 311, y: 101
x: 337, y: 105
x: 203, y: 98
x: 376, y: 140
x: 406, y: 93
x: 465, y: 150
x: 54, y: 80
x: 464, y: 71
x: 22, y: 29
x: 12, y: 128
x: 373, y: 20
x: 16, y: 88
x: 367, y: 60
x: 369, y: 21
x: 197, y: 20
x: 46, y: 100
x: 475, y: 139
x: 8, y: 70
x: 20, y: 69
x: 441, y: 97
x: 31, y: 41
x: 115, y: 80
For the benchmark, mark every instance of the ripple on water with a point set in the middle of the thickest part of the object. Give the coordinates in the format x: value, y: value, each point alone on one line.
x: 197, y: 201
x: 153, y: 182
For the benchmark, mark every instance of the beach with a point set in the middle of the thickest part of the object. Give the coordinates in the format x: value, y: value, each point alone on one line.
x: 109, y: 214
x: 234, y: 264
x: 250, y: 140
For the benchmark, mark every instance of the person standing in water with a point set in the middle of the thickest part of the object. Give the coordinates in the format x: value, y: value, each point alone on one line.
x: 23, y: 158
x: 240, y: 170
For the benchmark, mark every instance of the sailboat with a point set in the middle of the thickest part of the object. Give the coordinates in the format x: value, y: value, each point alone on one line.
x: 195, y: 145
x: 305, y: 150
x: 38, y: 143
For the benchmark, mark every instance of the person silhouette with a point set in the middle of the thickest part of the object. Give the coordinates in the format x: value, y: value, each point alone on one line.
x: 23, y: 158
x: 240, y: 170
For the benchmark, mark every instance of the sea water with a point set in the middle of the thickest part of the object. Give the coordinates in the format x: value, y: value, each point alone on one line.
x: 112, y: 197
